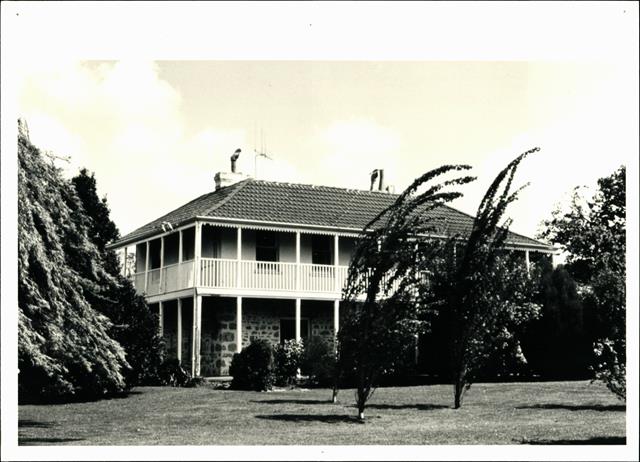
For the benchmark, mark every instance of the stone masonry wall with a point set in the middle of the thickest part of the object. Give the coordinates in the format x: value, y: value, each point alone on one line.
x: 260, y: 320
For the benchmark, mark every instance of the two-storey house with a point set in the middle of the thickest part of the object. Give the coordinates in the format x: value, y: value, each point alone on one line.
x: 257, y: 259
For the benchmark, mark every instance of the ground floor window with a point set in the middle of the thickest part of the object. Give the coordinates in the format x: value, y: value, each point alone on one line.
x: 288, y: 329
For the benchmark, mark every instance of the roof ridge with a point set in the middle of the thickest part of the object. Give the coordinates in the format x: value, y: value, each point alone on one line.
x: 238, y: 187
x: 321, y: 186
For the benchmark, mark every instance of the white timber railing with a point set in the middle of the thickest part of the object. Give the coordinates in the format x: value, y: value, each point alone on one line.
x: 218, y: 273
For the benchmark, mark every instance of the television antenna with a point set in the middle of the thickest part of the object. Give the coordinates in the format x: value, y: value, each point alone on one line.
x: 262, y: 152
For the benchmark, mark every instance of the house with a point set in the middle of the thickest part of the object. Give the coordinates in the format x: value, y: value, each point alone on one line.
x: 258, y: 259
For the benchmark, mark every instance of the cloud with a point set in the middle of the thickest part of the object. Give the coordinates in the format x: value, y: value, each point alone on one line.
x: 124, y: 122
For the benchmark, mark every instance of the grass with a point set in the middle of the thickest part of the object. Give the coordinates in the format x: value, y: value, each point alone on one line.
x: 497, y: 413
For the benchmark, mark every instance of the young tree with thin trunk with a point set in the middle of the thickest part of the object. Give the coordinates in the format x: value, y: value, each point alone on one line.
x: 379, y: 298
x: 479, y: 288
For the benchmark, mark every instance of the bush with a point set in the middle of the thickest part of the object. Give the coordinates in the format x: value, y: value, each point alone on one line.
x: 253, y: 367
x: 171, y: 373
x: 319, y: 362
x: 287, y: 359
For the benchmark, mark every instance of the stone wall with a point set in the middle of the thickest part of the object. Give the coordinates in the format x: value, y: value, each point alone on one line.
x: 260, y: 320
x: 218, y: 341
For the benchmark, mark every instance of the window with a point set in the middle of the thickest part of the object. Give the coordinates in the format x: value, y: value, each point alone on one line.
x: 321, y: 250
x: 288, y: 329
x: 266, y: 246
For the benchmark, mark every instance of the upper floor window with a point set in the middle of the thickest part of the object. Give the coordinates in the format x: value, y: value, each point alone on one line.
x: 321, y: 249
x: 266, y: 246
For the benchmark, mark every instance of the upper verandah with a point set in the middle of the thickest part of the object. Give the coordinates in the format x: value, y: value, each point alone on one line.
x: 299, y: 206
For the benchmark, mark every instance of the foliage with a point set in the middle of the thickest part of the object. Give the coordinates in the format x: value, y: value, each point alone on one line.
x: 318, y: 361
x: 64, y: 349
x: 481, y: 290
x: 593, y: 233
x: 287, y: 358
x: 374, y: 333
x: 135, y: 326
x: 171, y: 373
x: 253, y: 367
x: 558, y: 344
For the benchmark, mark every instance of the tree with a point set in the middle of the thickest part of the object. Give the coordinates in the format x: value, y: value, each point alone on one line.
x: 64, y: 348
x: 593, y: 233
x: 558, y: 344
x: 481, y: 292
x: 374, y: 333
x: 134, y: 325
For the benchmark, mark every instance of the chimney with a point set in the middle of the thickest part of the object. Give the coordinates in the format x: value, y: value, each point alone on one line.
x: 374, y: 176
x: 223, y: 179
x: 381, y: 184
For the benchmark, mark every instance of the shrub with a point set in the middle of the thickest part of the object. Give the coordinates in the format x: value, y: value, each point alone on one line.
x: 287, y: 359
x: 253, y: 367
x: 319, y: 362
x: 171, y: 373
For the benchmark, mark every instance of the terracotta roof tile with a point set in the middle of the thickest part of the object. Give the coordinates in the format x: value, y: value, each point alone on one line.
x: 302, y: 204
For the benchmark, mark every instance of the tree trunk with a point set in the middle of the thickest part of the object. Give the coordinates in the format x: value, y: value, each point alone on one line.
x: 458, y: 391
x: 334, y: 395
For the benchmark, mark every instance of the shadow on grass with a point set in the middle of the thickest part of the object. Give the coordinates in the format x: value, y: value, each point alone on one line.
x: 38, y: 441
x: 326, y: 418
x: 419, y: 407
x: 594, y: 440
x: 24, y: 423
x: 578, y: 407
x: 293, y: 401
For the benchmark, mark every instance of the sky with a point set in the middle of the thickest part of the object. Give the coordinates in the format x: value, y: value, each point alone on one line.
x: 155, y: 132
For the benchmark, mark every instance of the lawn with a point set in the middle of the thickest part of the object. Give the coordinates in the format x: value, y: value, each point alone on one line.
x: 499, y: 413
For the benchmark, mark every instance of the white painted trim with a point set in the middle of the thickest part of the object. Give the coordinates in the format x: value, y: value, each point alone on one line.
x: 336, y: 261
x: 149, y: 237
x: 161, y: 260
x: 238, y: 324
x: 239, y: 257
x: 197, y: 253
x: 298, y: 313
x: 193, y: 334
x: 146, y: 268
x: 198, y: 334
x: 279, y: 226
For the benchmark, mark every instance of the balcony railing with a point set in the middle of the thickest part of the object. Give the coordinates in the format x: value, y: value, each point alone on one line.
x: 220, y: 273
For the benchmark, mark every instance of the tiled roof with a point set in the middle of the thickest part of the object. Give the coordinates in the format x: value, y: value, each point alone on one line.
x: 302, y: 204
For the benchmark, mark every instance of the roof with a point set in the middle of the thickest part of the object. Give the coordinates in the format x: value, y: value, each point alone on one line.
x: 303, y: 204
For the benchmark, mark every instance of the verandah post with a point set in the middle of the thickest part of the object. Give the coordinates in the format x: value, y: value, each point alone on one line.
x: 197, y: 251
x: 238, y: 257
x: 336, y: 259
x: 298, y: 306
x: 146, y: 268
x: 238, y: 324
x: 297, y: 260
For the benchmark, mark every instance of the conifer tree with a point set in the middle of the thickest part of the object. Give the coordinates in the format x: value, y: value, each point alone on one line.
x: 64, y: 348
x: 135, y: 326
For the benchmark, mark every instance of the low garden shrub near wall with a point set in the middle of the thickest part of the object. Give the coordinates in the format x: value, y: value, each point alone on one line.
x: 287, y: 357
x: 253, y: 368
